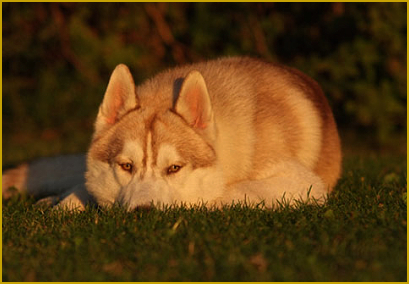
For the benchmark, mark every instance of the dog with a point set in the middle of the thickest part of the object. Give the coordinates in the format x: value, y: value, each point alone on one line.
x: 227, y: 130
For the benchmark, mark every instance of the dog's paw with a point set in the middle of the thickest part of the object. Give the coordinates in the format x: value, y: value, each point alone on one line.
x: 48, y: 201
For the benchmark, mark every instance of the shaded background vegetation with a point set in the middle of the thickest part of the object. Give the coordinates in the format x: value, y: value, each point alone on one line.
x: 57, y: 59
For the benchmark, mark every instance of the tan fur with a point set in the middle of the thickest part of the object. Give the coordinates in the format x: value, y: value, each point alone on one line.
x: 328, y: 165
x: 235, y: 128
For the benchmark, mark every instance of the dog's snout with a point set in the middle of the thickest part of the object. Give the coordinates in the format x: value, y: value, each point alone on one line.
x: 144, y: 195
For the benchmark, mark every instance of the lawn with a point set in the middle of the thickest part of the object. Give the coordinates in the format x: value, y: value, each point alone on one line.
x: 359, y: 235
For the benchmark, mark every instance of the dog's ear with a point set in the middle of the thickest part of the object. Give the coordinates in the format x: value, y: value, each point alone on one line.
x: 193, y: 102
x: 120, y: 98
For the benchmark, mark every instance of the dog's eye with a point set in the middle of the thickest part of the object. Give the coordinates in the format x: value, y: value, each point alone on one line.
x: 126, y: 167
x: 173, y: 169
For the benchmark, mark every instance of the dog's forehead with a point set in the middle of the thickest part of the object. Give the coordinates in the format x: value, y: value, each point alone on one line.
x: 161, y: 131
x: 144, y: 133
x: 149, y: 130
x: 136, y: 124
x: 159, y: 126
x: 147, y: 153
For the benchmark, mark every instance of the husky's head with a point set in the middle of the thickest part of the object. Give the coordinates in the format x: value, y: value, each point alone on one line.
x: 144, y: 151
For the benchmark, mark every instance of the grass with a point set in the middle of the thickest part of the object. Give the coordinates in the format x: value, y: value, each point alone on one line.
x: 359, y: 235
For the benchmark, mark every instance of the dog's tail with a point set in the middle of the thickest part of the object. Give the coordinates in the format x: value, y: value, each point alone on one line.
x: 44, y: 177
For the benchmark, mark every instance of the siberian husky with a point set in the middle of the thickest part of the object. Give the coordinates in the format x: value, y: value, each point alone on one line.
x: 228, y: 130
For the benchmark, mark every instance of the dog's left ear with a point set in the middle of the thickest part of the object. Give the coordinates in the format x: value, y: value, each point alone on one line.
x: 120, y: 97
x: 193, y: 103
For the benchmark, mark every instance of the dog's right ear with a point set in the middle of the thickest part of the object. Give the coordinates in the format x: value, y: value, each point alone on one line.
x: 120, y: 98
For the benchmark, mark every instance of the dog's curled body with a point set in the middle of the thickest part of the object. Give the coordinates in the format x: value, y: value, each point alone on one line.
x: 213, y: 132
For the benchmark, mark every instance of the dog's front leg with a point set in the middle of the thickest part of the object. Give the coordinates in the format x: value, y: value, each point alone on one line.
x: 285, y: 183
x: 76, y: 199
